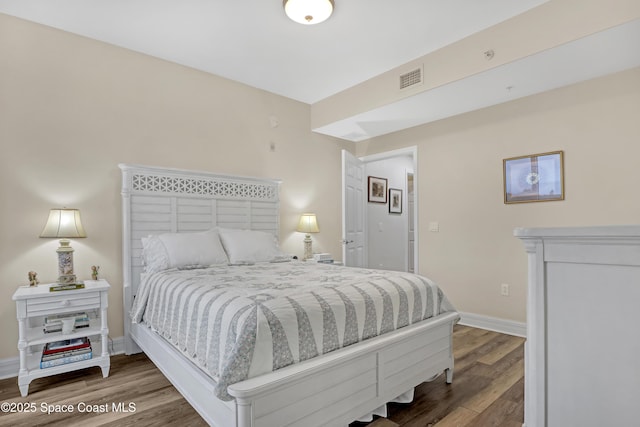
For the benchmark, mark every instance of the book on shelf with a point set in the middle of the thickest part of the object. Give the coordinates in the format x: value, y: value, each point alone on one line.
x: 62, y: 354
x: 66, y: 351
x: 66, y: 345
x: 54, y: 323
x: 81, y: 315
x: 64, y: 360
x: 57, y: 326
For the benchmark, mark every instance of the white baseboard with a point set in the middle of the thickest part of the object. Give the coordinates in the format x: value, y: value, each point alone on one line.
x: 9, y: 367
x: 495, y: 324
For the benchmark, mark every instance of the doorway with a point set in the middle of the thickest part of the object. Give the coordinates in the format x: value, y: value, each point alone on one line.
x: 373, y: 234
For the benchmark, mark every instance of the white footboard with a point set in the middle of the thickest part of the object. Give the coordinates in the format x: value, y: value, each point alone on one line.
x: 333, y: 389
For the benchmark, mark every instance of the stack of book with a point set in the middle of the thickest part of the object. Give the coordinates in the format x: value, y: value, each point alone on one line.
x: 65, y: 351
x: 54, y: 323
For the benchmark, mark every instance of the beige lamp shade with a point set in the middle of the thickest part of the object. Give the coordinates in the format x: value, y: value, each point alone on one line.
x: 308, y: 223
x: 63, y: 224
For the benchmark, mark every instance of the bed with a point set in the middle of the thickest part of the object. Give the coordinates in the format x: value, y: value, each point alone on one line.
x: 305, y: 382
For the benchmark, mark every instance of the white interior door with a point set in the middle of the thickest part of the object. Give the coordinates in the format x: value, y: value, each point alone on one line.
x: 411, y: 227
x: 353, y: 212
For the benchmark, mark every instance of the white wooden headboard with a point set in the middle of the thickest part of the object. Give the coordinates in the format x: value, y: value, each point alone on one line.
x: 160, y: 200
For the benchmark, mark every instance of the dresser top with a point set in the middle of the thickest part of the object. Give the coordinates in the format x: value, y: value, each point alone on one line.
x: 605, y: 231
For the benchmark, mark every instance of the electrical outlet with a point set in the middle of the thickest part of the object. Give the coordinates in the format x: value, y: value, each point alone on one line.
x: 504, y: 290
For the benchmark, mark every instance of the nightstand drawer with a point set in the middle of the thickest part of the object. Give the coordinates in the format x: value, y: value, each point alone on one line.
x: 62, y: 303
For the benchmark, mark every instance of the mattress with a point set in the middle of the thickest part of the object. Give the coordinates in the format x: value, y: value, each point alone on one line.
x: 238, y: 322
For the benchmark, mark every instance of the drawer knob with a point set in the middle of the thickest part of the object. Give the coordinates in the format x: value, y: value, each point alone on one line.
x: 64, y: 302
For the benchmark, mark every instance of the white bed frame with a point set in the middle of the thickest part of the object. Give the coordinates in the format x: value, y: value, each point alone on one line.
x: 332, y: 389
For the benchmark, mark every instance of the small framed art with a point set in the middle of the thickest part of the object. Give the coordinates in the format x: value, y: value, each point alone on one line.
x: 395, y: 201
x: 377, y: 190
x: 534, y: 178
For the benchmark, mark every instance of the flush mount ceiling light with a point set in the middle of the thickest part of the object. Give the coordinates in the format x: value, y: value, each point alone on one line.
x: 308, y: 12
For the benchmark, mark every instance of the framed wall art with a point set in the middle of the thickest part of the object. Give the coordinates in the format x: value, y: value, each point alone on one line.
x: 377, y: 190
x: 534, y: 178
x: 395, y: 201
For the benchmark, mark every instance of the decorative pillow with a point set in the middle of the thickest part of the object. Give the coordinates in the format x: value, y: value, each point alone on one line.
x: 249, y: 246
x: 182, y: 250
x: 154, y: 255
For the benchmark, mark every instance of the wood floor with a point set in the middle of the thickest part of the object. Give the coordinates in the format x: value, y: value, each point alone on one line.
x: 487, y: 390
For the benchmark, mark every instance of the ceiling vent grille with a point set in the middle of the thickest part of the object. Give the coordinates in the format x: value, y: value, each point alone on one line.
x: 411, y: 78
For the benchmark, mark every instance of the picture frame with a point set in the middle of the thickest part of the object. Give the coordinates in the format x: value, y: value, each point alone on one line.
x: 534, y: 178
x: 377, y: 190
x: 395, y: 201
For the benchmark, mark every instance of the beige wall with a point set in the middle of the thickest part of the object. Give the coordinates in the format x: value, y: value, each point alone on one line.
x: 71, y: 109
x: 461, y: 184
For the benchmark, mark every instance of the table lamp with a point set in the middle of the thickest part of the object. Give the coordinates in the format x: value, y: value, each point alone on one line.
x: 308, y: 224
x: 64, y: 224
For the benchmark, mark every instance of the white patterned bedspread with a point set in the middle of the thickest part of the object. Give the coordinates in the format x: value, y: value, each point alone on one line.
x: 237, y: 322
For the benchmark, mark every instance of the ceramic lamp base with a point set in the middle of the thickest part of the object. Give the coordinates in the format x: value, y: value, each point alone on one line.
x: 308, y: 253
x: 65, y: 263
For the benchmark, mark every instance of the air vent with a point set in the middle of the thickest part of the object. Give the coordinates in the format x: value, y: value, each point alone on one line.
x: 412, y: 78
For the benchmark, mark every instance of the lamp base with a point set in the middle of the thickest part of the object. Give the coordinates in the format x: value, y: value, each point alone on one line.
x: 65, y: 263
x: 308, y: 253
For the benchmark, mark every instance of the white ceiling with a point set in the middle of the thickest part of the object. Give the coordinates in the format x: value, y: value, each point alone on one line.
x: 253, y: 42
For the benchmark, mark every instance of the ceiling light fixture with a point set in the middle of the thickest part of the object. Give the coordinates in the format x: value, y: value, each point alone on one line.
x: 308, y: 12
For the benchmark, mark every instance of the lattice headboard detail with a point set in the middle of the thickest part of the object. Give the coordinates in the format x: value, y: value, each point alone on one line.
x: 160, y: 200
x: 219, y: 187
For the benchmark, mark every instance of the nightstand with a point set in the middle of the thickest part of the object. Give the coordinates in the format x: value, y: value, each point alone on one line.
x: 34, y: 303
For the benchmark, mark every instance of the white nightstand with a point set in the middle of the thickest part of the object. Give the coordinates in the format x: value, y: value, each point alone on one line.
x: 34, y: 303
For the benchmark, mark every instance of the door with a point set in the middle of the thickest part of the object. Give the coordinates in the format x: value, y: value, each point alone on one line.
x: 353, y: 203
x: 411, y: 228
x: 412, y: 261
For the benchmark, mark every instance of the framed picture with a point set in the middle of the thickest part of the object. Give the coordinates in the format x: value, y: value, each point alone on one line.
x: 534, y: 178
x: 395, y: 201
x: 377, y: 190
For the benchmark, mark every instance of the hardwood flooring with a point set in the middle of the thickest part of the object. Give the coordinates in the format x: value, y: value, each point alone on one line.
x: 487, y: 390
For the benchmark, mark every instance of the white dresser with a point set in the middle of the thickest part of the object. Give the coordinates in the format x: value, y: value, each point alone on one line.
x: 582, y: 355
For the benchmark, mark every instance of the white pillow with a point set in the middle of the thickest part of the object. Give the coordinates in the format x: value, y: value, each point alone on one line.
x: 182, y: 250
x: 154, y: 255
x: 249, y: 246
